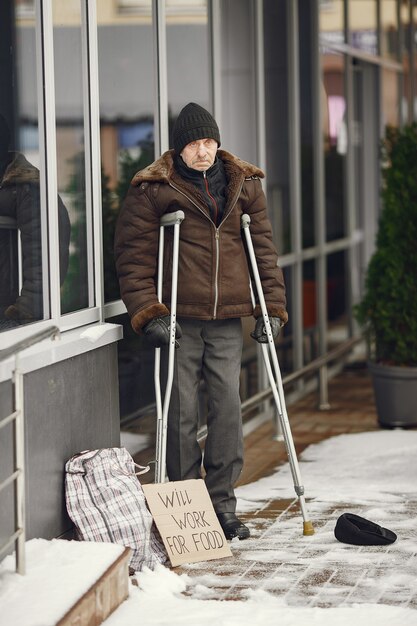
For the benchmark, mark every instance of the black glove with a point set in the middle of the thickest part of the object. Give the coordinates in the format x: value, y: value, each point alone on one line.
x: 157, y: 332
x: 259, y: 333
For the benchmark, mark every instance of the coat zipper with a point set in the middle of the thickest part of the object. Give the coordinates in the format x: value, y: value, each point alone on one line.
x: 216, y: 238
x: 216, y: 279
x: 216, y: 208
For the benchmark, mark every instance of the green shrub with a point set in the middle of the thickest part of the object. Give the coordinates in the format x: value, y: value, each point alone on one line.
x: 388, y: 311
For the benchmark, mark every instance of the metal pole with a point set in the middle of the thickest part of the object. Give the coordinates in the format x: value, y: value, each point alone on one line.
x: 171, y: 352
x: 170, y: 219
x: 19, y: 450
x: 157, y: 365
x: 324, y: 389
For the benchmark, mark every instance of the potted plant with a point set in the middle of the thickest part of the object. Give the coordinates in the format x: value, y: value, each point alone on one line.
x: 388, y: 310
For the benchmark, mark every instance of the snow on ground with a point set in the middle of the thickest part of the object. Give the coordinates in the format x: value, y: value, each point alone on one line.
x: 58, y: 574
x: 364, y: 468
x: 134, y: 442
x: 375, y: 473
x: 158, y: 601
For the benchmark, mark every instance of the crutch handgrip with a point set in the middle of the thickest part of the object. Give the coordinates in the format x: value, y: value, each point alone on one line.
x: 245, y: 220
x: 170, y: 219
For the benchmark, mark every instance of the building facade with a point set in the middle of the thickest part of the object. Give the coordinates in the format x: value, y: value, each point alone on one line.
x: 90, y: 91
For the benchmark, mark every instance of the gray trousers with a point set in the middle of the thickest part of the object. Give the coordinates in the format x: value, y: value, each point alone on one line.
x: 210, y: 351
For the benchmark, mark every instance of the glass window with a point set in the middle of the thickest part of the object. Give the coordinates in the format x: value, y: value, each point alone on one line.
x: 363, y: 33
x: 126, y: 113
x: 23, y: 245
x: 173, y: 7
x: 136, y: 373
x: 188, y: 64
x: 405, y: 59
x: 358, y: 147
x: 335, y: 143
x: 389, y: 29
x: 309, y: 311
x: 306, y: 130
x: 285, y: 344
x: 77, y: 292
x: 277, y: 130
x: 337, y: 298
x: 390, y: 98
x: 332, y: 29
x: 24, y: 8
x: 414, y: 27
x: 126, y: 82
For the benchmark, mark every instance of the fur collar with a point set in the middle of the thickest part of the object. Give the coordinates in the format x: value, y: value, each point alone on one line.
x: 20, y: 171
x: 162, y: 170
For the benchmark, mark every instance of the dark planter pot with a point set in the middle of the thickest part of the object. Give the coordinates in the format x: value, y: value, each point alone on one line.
x: 395, y: 395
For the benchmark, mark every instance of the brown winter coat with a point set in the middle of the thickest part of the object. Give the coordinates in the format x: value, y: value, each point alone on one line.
x: 213, y: 274
x: 20, y: 211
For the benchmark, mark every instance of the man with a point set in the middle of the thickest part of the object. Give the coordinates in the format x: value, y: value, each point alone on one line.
x: 20, y: 213
x: 213, y: 188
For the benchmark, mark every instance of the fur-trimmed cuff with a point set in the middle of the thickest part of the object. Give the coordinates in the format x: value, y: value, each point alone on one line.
x: 273, y: 311
x: 141, y: 318
x: 14, y: 312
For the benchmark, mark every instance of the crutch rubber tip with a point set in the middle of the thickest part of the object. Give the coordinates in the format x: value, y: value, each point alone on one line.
x: 308, y: 528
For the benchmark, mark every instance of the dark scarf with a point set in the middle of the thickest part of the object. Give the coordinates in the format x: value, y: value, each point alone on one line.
x: 213, y: 186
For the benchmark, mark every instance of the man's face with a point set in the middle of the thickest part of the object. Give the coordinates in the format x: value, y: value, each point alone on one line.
x: 200, y: 154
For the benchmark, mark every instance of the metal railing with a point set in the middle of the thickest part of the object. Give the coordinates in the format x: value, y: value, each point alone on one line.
x: 319, y: 365
x: 17, y: 477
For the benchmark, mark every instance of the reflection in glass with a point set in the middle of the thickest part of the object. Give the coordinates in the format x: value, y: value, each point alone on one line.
x: 406, y: 61
x: 414, y: 95
x: 390, y: 98
x: 389, y: 29
x: 286, y: 337
x: 126, y: 114
x: 358, y: 147
x: 22, y: 245
x: 277, y: 131
x: 335, y: 143
x: 307, y: 130
x: 331, y: 19
x: 337, y: 298
x: 188, y: 66
x: 71, y: 148
x: 363, y: 25
x: 126, y: 81
x: 136, y: 368
x: 309, y: 295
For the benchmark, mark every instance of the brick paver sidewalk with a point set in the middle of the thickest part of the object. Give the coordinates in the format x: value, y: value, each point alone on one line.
x: 318, y: 570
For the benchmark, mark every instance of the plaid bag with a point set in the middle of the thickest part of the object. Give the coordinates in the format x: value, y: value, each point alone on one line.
x: 106, y: 502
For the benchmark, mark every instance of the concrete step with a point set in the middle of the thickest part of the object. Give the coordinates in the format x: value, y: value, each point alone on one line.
x: 103, y: 597
x: 66, y: 583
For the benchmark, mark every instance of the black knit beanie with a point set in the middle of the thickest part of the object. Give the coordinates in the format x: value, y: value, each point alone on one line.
x: 193, y: 123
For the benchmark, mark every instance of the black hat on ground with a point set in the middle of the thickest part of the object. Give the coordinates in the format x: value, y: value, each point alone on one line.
x: 351, y: 528
x: 194, y: 122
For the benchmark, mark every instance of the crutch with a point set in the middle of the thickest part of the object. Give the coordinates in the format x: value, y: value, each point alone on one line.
x: 276, y: 382
x: 169, y: 219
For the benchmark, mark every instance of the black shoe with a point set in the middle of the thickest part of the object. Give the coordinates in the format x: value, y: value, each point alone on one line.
x: 232, y: 526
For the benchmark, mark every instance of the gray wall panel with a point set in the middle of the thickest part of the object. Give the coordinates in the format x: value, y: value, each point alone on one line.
x: 70, y: 406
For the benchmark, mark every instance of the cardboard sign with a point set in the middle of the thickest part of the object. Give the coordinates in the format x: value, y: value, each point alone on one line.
x: 187, y: 522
